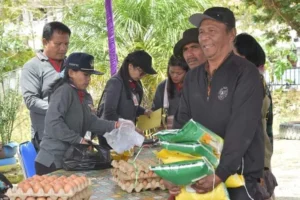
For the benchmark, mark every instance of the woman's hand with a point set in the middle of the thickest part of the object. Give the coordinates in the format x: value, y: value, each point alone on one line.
x: 93, y: 109
x: 148, y: 112
x: 139, y: 131
x: 124, y: 122
x: 83, y: 141
x: 173, y: 189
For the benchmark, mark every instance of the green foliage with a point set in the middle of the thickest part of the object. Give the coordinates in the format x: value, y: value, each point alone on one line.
x: 14, y: 52
x: 273, y: 34
x: 154, y: 26
x: 278, y: 60
x: 10, y: 102
x: 283, y: 11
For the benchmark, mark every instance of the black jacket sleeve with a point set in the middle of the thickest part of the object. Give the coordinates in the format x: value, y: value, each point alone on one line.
x: 243, y: 123
x: 183, y: 113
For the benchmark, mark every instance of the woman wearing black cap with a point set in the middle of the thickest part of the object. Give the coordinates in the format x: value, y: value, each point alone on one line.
x: 69, y: 115
x: 123, y: 92
x: 168, y: 92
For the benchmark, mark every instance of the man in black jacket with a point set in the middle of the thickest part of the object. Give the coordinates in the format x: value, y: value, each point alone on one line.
x: 225, y: 95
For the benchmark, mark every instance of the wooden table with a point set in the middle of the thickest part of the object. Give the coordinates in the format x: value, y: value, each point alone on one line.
x: 104, y: 188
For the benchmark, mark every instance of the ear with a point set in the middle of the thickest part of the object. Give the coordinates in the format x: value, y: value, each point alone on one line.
x: 45, y: 42
x: 71, y: 73
x: 232, y: 35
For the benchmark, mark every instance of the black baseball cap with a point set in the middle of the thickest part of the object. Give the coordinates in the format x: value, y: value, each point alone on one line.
x: 220, y: 14
x: 81, y: 61
x: 189, y: 36
x: 142, y: 59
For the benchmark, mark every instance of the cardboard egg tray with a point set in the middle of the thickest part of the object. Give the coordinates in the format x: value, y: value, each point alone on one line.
x: 82, y: 195
x: 136, y: 177
x: 129, y: 166
x: 132, y: 175
x: 141, y: 185
x: 80, y: 192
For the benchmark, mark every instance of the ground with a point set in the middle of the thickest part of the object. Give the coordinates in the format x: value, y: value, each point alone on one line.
x: 286, y: 168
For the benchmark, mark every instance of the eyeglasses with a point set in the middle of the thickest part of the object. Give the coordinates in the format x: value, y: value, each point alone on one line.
x: 142, y: 73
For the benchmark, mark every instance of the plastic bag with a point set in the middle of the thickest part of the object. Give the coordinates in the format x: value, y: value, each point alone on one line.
x: 124, y: 138
x: 219, y: 193
x: 86, y: 157
x: 193, y: 132
x: 185, y: 172
x: 195, y: 150
x: 167, y: 156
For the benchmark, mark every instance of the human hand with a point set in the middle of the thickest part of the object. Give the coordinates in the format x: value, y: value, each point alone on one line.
x: 122, y: 122
x: 170, y: 120
x: 173, y: 189
x: 148, y: 112
x: 84, y: 141
x: 139, y: 131
x: 205, y: 184
x: 93, y: 109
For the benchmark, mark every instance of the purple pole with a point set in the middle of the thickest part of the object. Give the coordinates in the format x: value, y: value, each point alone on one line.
x: 111, y: 37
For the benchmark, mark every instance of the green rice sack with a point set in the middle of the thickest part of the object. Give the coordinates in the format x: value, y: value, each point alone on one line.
x: 195, y: 150
x: 185, y: 172
x: 193, y: 132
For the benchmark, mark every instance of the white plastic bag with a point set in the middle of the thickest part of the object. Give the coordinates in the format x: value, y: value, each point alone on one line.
x: 124, y: 138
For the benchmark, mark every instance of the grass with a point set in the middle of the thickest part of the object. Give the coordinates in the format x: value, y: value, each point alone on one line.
x: 286, y: 107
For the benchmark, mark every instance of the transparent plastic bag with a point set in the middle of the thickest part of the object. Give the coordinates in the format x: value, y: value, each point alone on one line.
x: 124, y: 138
x: 219, y: 193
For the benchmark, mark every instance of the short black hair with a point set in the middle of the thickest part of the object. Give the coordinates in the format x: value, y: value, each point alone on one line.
x: 174, y: 61
x: 247, y: 46
x: 50, y: 27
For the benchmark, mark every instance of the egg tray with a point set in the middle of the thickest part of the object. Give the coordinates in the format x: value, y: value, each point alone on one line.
x: 140, y: 185
x: 83, y: 195
x: 134, y: 166
x: 15, y: 192
x: 132, y: 175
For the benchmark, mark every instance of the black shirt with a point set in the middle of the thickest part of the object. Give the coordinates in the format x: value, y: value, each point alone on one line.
x: 233, y: 111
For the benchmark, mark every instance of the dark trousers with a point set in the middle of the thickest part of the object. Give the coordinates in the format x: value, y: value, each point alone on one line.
x: 42, y: 169
x: 240, y: 193
x: 36, y: 142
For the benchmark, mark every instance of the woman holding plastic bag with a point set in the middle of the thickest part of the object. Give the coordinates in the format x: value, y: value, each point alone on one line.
x: 123, y: 92
x: 168, y: 92
x: 69, y: 116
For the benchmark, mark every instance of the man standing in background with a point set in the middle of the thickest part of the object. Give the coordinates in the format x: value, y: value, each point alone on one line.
x: 189, y: 48
x: 40, y: 72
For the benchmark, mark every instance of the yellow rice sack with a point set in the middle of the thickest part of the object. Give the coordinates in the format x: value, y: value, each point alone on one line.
x: 167, y: 156
x: 235, y: 181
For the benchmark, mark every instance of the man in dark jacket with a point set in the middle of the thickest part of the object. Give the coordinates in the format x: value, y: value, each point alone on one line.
x: 40, y: 72
x: 225, y: 95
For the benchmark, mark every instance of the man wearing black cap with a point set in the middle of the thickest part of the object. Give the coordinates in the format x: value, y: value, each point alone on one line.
x: 189, y: 48
x: 225, y: 95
